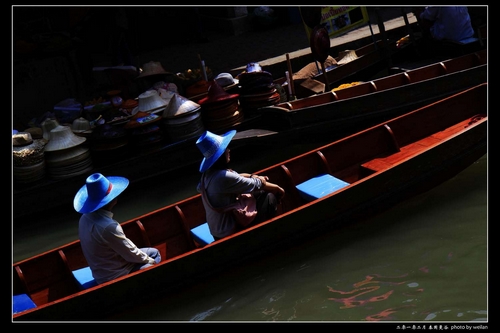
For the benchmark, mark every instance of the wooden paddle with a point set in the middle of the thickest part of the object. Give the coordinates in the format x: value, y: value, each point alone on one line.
x: 320, y: 45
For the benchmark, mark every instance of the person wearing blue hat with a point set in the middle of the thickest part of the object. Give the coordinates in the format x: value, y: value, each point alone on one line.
x: 220, y: 186
x: 109, y: 253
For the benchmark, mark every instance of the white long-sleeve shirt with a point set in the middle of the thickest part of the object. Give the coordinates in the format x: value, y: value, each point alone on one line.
x: 109, y: 253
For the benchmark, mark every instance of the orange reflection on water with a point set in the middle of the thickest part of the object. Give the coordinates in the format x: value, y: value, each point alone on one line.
x: 353, y: 300
x: 424, y: 269
x: 385, y: 314
x: 415, y: 292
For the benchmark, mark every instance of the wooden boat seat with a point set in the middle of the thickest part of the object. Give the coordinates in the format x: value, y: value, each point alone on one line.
x: 463, y: 46
x: 201, y: 234
x: 320, y: 186
x: 22, y: 302
x: 84, y: 277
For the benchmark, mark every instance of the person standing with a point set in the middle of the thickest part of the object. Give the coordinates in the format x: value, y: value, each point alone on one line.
x: 108, y: 251
x: 221, y: 186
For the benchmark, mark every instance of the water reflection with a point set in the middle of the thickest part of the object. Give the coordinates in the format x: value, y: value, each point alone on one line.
x: 386, y: 314
x: 357, y: 299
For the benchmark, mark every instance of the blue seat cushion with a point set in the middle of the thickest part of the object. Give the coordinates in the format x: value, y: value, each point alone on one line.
x: 22, y: 302
x: 469, y: 40
x: 84, y: 277
x: 320, y: 186
x: 201, y: 234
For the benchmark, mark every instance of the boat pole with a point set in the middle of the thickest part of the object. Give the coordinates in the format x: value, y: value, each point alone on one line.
x: 290, y: 81
x: 371, y: 32
x: 385, y: 46
x: 202, y: 68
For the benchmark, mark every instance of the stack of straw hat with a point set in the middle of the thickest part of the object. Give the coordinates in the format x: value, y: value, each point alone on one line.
x: 66, y: 154
x: 28, y: 158
x: 220, y: 109
x: 257, y: 88
x: 182, y: 118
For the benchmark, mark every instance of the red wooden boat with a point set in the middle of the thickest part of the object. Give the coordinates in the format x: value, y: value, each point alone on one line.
x: 386, y: 96
x: 327, y: 188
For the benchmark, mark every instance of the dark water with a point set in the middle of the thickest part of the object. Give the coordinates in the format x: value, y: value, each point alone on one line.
x: 425, y: 260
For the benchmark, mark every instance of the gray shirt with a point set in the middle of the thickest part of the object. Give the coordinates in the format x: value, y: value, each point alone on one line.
x: 109, y: 253
x: 222, y: 188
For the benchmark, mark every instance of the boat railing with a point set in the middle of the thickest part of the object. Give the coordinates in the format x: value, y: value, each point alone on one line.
x: 51, y: 276
x: 384, y: 83
x: 325, y: 162
x: 169, y: 228
x: 45, y: 279
x: 380, y: 147
x: 463, y: 111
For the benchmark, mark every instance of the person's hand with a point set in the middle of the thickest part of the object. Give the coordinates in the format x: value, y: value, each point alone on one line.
x: 263, y: 179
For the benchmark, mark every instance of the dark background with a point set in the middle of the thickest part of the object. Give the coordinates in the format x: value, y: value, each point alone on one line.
x: 56, y: 48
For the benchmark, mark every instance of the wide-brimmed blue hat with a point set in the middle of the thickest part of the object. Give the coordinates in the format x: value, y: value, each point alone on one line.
x: 98, y: 191
x: 212, y: 146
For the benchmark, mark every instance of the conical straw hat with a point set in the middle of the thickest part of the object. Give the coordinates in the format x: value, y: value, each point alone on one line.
x: 62, y: 137
x: 180, y: 105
